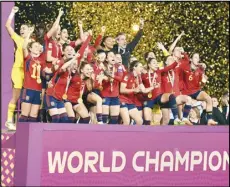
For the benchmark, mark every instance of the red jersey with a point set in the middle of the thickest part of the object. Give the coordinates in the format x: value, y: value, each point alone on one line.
x: 33, y: 67
x: 139, y: 99
x: 82, y: 48
x: 155, y: 78
x: 111, y: 87
x: 55, y: 48
x: 93, y: 48
x: 75, y: 88
x: 47, y: 75
x: 97, y: 71
x: 170, y: 82
x: 132, y: 82
x: 184, y: 63
x: 192, y: 81
x: 59, y: 82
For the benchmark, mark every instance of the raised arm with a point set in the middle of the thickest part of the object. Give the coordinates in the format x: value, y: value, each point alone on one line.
x: 26, y: 41
x: 84, y: 45
x: 99, y: 38
x: 55, y: 24
x: 137, y: 38
x: 162, y: 47
x: 167, y: 68
x: 175, y: 42
x: 68, y: 63
x: 9, y: 20
x: 80, y: 25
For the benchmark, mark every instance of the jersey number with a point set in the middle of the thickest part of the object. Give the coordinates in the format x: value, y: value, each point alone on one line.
x: 36, y: 69
x: 190, y: 78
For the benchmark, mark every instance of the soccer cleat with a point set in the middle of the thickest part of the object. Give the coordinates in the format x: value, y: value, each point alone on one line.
x: 212, y: 122
x: 10, y: 126
x: 186, y: 121
x: 100, y: 123
x: 178, y: 122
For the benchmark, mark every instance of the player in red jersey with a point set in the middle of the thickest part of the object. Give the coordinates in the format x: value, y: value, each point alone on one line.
x: 110, y: 82
x: 131, y: 85
x: 44, y: 35
x: 156, y: 96
x: 170, y: 84
x: 64, y: 39
x: 54, y: 51
x: 98, y: 68
x: 91, y: 49
x: 57, y: 91
x: 32, y: 87
x: 192, y: 85
x: 74, y: 102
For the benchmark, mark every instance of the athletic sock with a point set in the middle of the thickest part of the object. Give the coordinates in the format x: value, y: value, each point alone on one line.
x: 55, y: 118
x: 113, y: 120
x: 105, y: 118
x: 186, y: 110
x: 23, y: 118
x: 84, y: 120
x: 64, y: 118
x: 10, y: 112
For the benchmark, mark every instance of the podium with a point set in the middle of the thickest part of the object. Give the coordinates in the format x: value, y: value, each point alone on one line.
x: 105, y: 155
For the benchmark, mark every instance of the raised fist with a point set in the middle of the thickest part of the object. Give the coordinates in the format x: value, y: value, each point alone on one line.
x: 141, y: 23
x: 90, y: 32
x: 183, y: 33
x: 61, y: 12
x: 80, y: 23
x: 103, y: 28
x: 31, y: 29
x: 15, y: 9
x: 160, y: 45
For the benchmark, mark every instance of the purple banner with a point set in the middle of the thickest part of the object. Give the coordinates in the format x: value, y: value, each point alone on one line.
x: 135, y: 156
x: 7, y: 60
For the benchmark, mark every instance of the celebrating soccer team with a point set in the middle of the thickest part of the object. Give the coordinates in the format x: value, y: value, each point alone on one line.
x: 63, y: 81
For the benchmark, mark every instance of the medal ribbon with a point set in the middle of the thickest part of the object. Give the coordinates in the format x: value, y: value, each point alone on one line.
x: 171, y: 77
x: 111, y: 79
x: 152, y: 80
x: 82, y: 89
x: 68, y: 82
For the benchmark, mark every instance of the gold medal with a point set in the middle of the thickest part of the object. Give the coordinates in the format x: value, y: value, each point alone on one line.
x: 80, y: 100
x: 150, y: 95
x: 39, y: 81
x: 64, y: 96
x: 100, y: 88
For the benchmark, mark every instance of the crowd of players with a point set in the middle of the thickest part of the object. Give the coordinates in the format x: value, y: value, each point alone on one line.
x: 63, y: 81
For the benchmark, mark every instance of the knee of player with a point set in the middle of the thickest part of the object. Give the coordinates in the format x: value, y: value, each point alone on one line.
x: 188, y: 100
x: 139, y: 121
x: 99, y: 100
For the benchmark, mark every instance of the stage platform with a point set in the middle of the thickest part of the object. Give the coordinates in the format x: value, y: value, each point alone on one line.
x: 103, y: 155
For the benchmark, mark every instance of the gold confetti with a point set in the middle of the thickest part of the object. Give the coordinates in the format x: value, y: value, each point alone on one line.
x: 205, y: 24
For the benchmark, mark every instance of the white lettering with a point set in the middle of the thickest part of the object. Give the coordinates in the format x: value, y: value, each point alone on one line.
x: 134, y: 163
x: 89, y: 163
x: 152, y: 161
x: 57, y: 161
x: 225, y: 160
x: 167, y: 163
x: 182, y: 160
x: 114, y: 161
x: 205, y: 159
x: 101, y: 166
x: 194, y: 161
x: 212, y: 167
x: 80, y: 164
